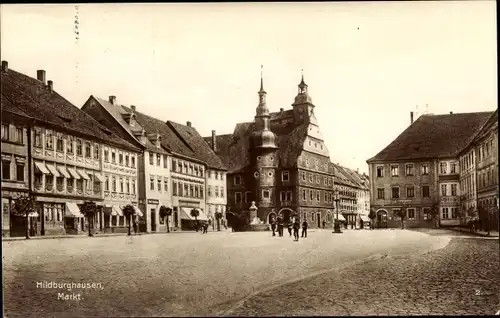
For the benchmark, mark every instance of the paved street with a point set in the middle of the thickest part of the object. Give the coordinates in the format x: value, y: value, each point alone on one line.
x: 231, y: 273
x: 460, y: 279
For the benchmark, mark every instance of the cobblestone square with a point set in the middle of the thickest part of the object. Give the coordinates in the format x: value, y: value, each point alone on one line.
x: 356, y: 273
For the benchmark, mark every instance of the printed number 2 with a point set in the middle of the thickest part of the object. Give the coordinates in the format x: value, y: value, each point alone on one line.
x: 478, y: 292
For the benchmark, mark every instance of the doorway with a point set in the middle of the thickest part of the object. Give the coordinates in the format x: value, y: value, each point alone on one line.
x: 153, y: 220
x: 318, y: 219
x: 381, y: 219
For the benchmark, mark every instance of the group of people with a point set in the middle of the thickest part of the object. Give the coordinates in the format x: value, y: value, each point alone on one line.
x: 278, y: 225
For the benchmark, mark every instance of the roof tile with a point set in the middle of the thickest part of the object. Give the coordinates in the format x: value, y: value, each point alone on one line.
x: 433, y: 136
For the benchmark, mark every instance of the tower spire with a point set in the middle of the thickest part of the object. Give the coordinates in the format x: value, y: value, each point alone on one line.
x: 261, y: 78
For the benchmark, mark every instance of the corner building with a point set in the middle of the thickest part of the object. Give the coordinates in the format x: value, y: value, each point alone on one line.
x: 279, y: 161
x: 419, y: 171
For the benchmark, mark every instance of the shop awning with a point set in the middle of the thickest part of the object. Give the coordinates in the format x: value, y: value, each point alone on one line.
x: 41, y: 166
x: 186, y: 214
x: 83, y: 174
x: 72, y: 211
x: 98, y: 176
x: 53, y: 170
x: 73, y: 173
x: 63, y: 171
x: 116, y: 210
x: 138, y: 211
x: 365, y: 218
x: 341, y: 217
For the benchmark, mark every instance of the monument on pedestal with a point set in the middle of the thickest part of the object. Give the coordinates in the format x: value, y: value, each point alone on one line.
x: 255, y: 223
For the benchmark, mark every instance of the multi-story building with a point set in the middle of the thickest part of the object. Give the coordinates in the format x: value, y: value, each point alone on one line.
x: 66, y: 146
x: 419, y: 170
x: 362, y: 188
x: 468, y: 186
x: 348, y: 195
x: 486, y: 148
x: 171, y: 167
x: 15, y: 157
x: 216, y: 187
x: 279, y: 161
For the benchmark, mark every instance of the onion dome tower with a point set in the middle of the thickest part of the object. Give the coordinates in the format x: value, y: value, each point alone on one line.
x: 302, y: 106
x: 262, y: 136
x: 264, y: 158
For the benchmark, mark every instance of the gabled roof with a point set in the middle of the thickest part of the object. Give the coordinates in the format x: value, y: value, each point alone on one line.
x: 33, y: 98
x: 197, y: 144
x: 281, y: 115
x: 222, y: 142
x: 486, y: 127
x: 358, y: 178
x: 234, y: 150
x: 7, y: 106
x: 433, y: 136
x: 342, y: 176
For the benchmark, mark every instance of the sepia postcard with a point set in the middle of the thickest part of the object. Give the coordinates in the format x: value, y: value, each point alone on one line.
x: 249, y: 159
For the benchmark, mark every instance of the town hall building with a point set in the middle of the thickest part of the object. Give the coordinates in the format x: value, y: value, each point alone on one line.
x: 280, y: 161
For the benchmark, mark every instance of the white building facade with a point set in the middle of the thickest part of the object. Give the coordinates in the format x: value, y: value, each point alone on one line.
x: 216, y: 195
x: 449, y: 191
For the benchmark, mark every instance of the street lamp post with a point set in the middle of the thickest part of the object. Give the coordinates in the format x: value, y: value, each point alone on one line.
x: 336, y: 224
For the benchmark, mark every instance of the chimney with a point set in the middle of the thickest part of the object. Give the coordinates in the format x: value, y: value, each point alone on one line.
x: 50, y: 85
x: 132, y: 107
x: 40, y: 75
x: 411, y: 117
x: 188, y: 123
x: 451, y: 113
x: 5, y: 66
x: 214, y: 141
x: 281, y: 110
x: 112, y: 99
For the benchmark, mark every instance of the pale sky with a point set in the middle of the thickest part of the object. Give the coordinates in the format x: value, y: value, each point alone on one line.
x: 367, y: 64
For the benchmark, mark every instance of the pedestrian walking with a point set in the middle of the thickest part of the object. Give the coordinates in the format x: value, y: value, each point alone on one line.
x: 273, y: 227
x: 296, y: 227
x: 205, y: 228
x: 135, y: 227
x: 324, y: 224
x: 290, y: 227
x: 304, y: 228
x: 280, y: 226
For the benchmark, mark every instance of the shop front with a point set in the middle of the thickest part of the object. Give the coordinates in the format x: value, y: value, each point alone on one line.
x: 114, y: 219
x: 59, y: 216
x: 191, y: 215
x: 364, y: 221
x: 14, y: 224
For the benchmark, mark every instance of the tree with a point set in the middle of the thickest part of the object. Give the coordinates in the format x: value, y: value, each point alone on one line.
x: 89, y: 209
x: 128, y: 211
x: 372, y: 215
x: 435, y: 213
x: 401, y: 213
x: 195, y: 213
x: 166, y: 212
x: 23, y: 206
x: 218, y: 217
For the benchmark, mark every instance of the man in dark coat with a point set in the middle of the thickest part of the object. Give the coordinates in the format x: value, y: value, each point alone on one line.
x: 273, y: 226
x: 304, y: 228
x: 280, y: 226
x: 296, y: 227
x: 290, y: 227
